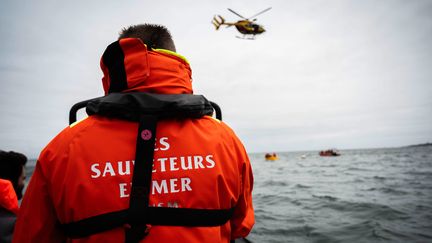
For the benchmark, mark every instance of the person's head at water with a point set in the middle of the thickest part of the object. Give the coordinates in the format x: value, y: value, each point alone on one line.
x: 12, y: 168
x: 154, y: 36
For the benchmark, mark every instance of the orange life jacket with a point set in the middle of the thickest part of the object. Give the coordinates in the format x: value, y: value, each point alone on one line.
x: 87, y: 169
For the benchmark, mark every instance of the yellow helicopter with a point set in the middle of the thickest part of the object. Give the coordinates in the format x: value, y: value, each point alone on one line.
x: 244, y: 26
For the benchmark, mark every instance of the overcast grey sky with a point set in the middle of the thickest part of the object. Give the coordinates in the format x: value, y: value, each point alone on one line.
x: 345, y: 74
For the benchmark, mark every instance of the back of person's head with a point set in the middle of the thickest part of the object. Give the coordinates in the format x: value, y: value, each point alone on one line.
x: 154, y: 36
x: 11, y: 168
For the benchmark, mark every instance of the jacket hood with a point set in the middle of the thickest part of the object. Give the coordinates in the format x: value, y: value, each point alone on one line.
x: 8, y: 197
x: 128, y: 65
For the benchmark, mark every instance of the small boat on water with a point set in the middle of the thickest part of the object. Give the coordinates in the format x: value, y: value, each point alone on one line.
x: 329, y: 152
x: 271, y: 157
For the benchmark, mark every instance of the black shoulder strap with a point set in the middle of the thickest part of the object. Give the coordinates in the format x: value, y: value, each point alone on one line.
x: 141, y: 178
x: 139, y: 213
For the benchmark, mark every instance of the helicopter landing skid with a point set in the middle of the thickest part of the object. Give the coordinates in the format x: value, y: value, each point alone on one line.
x: 245, y: 38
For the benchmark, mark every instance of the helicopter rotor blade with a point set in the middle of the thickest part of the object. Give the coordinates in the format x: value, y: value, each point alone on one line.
x: 265, y: 10
x: 232, y: 11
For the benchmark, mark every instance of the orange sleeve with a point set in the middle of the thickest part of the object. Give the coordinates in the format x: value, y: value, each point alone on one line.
x: 37, y: 221
x: 243, y: 218
x: 8, y: 198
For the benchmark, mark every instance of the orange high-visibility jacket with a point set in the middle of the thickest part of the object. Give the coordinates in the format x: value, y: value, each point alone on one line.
x: 86, y: 169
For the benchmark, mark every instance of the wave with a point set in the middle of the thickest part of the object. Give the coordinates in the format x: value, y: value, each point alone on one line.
x: 388, y: 190
x: 367, y: 231
x: 358, y: 169
x: 301, y: 186
x: 365, y: 210
x: 326, y: 197
x: 270, y: 199
x: 270, y: 183
x: 280, y: 233
x: 420, y: 173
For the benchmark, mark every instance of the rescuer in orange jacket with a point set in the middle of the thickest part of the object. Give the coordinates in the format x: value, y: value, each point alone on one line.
x: 8, y: 210
x: 199, y: 176
x: 12, y: 181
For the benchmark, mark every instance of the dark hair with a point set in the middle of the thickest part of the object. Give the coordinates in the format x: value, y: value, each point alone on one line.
x: 153, y: 35
x: 11, y: 166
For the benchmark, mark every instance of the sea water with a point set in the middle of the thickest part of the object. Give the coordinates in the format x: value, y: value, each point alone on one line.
x: 371, y: 195
x: 375, y: 195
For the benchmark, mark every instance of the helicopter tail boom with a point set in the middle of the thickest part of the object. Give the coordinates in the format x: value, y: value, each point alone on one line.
x: 218, y: 21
